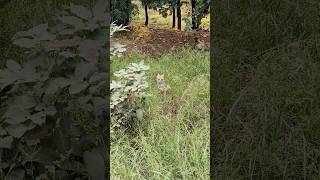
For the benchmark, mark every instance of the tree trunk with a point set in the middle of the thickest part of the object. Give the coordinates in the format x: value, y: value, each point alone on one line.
x: 179, y: 15
x: 193, y: 14
x: 146, y: 15
x: 173, y: 17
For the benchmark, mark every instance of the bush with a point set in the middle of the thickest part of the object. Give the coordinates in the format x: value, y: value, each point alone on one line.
x: 20, y: 15
x: 52, y: 109
x: 116, y: 49
x: 122, y: 11
x: 128, y: 94
x: 128, y: 91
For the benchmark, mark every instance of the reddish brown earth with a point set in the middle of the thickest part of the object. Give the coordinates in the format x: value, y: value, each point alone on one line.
x: 159, y: 40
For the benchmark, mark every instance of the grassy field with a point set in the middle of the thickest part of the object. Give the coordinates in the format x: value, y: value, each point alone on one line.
x: 168, y: 146
x: 266, y: 90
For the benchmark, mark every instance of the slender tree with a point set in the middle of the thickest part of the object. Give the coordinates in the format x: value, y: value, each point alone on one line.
x: 146, y: 15
x: 193, y: 15
x: 172, y: 6
x: 166, y: 6
x: 151, y: 4
x: 179, y: 14
x: 173, y: 17
x: 146, y: 3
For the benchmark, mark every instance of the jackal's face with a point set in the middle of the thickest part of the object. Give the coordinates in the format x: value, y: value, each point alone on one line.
x: 160, y: 78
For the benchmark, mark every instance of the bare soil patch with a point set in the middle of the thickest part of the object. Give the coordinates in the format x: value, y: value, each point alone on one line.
x: 155, y: 41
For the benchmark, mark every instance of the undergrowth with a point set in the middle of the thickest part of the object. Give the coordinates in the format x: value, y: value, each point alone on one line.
x: 265, y: 90
x: 172, y: 141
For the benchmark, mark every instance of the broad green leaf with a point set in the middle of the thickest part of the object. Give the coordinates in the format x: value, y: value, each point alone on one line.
x: 99, y: 102
x: 99, y: 10
x: 2, y: 131
x: 72, y: 20
x: 17, y: 131
x: 22, y: 34
x: 83, y: 69
x: 15, y: 115
x: 5, y: 142
x: 83, y: 102
x: 93, y: 89
x: 67, y: 31
x: 57, y: 84
x: 25, y: 42
x: 77, y: 87
x: 13, y: 66
x: 81, y: 11
x: 97, y: 77
x: 51, y: 110
x: 24, y: 102
x: 84, y: 99
x: 39, y: 29
x: 94, y: 164
x: 41, y: 32
x: 89, y: 50
x: 92, y: 25
x: 86, y: 107
x: 65, y: 42
x: 38, y: 118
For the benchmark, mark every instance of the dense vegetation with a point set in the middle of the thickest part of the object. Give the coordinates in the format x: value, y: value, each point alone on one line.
x: 53, y: 106
x: 157, y: 134
x: 122, y: 11
x: 21, y: 15
x: 171, y: 141
x: 265, y: 82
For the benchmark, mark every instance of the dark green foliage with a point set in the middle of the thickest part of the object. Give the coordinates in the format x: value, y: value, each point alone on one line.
x: 201, y: 10
x: 19, y: 15
x: 122, y: 11
x: 150, y: 4
x: 265, y: 98
x: 40, y: 134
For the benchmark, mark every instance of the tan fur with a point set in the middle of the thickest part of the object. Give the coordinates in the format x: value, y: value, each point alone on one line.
x: 161, y: 83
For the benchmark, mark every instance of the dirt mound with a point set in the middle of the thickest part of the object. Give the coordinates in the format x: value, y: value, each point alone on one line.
x: 159, y: 40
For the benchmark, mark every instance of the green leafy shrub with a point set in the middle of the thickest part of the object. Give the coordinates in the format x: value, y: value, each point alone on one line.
x: 64, y: 75
x: 128, y: 94
x: 122, y: 11
x: 20, y: 15
x: 116, y: 49
x: 128, y: 91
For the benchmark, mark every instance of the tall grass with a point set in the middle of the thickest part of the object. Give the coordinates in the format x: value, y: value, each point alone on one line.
x: 265, y: 89
x: 172, y: 142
